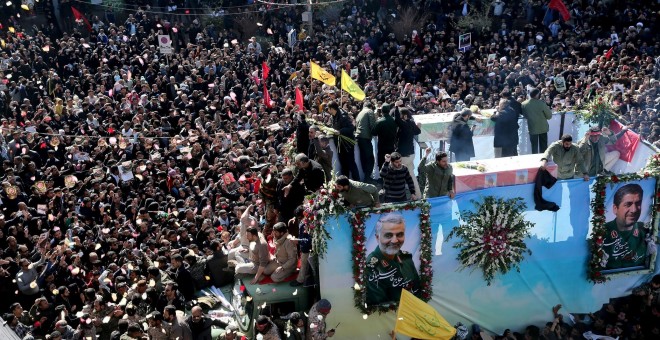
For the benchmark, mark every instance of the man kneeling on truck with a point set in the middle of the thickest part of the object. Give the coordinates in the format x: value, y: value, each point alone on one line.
x: 286, y: 255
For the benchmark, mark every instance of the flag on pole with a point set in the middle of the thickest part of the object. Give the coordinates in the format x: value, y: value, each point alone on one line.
x: 559, y: 6
x: 350, y: 86
x: 626, y: 144
x: 320, y: 74
x: 415, y: 318
x: 299, y: 100
x: 608, y: 55
x: 265, y: 70
x: 293, y: 76
x: 267, y: 97
x: 80, y: 16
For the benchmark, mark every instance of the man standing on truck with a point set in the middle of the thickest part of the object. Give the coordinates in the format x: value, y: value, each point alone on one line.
x: 286, y: 255
x: 389, y: 269
x: 259, y: 256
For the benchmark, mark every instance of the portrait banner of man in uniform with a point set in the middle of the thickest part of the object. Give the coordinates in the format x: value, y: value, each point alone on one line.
x: 629, y: 242
x: 392, y: 249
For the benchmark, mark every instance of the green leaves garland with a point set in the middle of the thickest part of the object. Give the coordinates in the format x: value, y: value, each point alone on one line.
x: 598, y: 231
x: 598, y: 111
x: 652, y: 166
x: 316, y: 210
x: 492, y: 237
x: 360, y: 258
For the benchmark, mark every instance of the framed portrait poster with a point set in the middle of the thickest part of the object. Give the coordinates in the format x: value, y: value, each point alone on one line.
x: 624, y: 227
x: 392, y: 247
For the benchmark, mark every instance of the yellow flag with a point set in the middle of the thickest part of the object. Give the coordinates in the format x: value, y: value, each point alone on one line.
x: 415, y: 318
x: 348, y: 85
x: 318, y: 73
x: 293, y: 75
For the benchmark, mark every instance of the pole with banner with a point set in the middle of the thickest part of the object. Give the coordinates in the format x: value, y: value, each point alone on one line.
x: 292, y: 37
x: 165, y: 45
x: 464, y: 42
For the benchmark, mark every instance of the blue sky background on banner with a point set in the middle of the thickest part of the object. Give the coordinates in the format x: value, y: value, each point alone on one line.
x: 554, y: 273
x: 648, y: 185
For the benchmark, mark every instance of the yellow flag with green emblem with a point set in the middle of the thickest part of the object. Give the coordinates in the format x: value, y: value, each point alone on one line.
x: 320, y: 74
x: 417, y: 319
x: 350, y: 86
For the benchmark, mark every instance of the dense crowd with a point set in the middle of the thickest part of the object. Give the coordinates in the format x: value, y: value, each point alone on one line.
x: 127, y: 174
x: 634, y: 316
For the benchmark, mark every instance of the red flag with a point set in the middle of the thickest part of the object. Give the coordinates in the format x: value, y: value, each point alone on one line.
x: 80, y: 16
x: 265, y: 70
x: 626, y: 145
x: 561, y: 8
x: 608, y: 55
x: 267, y: 97
x: 299, y: 100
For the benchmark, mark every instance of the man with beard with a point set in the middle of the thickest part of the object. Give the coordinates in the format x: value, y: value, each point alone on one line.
x: 201, y: 325
x: 389, y: 269
x: 567, y: 157
x: 179, y: 329
x: 286, y: 255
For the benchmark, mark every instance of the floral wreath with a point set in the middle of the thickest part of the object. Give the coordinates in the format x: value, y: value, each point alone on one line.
x: 360, y: 258
x: 492, y: 236
x: 597, y: 259
x: 599, y: 111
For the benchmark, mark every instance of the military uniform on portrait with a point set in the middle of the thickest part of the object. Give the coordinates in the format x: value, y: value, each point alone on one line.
x: 385, y: 278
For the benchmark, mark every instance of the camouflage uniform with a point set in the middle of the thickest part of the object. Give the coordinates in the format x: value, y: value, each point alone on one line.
x: 386, y: 278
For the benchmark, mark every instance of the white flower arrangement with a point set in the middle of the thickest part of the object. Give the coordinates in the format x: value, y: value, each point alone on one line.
x: 492, y: 237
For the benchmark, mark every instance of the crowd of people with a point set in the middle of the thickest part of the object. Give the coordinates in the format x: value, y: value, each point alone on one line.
x: 635, y: 316
x: 133, y: 179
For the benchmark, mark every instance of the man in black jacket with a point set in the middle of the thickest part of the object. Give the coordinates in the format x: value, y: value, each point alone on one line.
x: 406, y: 136
x: 201, y: 325
x: 506, y: 130
x: 182, y: 277
x: 345, y: 149
x: 216, y: 264
x: 385, y: 130
x: 310, y: 172
x: 287, y: 202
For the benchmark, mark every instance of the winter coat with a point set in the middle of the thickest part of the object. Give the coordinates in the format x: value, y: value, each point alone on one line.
x: 461, y: 138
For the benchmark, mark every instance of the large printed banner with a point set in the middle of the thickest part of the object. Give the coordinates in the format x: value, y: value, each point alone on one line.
x: 437, y: 126
x: 555, y: 272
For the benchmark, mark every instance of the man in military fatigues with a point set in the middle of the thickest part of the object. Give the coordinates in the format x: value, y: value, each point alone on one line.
x: 357, y: 194
x: 626, y: 240
x: 438, y: 176
x: 389, y: 269
x: 567, y: 157
x: 593, y: 149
